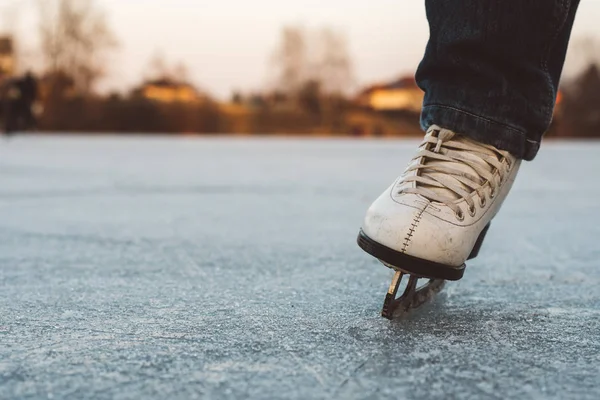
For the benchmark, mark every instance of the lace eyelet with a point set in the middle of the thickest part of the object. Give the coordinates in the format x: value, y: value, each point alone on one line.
x: 483, y: 201
x: 460, y: 215
x: 492, y: 194
x: 472, y: 211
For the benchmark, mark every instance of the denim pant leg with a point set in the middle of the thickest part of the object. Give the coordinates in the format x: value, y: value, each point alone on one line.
x: 491, y: 68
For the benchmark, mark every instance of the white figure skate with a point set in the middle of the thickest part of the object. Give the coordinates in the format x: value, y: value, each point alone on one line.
x: 436, y: 215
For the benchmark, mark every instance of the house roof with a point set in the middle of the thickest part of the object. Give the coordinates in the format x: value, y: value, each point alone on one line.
x: 405, y: 82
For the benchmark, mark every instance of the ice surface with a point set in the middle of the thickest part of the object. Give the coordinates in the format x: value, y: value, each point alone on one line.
x: 156, y: 268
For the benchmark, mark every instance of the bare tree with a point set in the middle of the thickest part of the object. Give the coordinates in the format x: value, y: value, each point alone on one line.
x: 581, y: 105
x: 160, y: 68
x: 75, y: 38
x: 157, y: 67
x: 9, y: 27
x: 291, y: 61
x: 9, y: 18
x: 319, y: 57
x: 332, y: 66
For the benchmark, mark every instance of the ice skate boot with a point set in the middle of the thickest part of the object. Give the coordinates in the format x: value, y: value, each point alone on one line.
x: 436, y: 215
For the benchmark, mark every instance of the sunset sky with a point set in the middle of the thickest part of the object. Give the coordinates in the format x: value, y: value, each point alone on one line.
x: 226, y: 44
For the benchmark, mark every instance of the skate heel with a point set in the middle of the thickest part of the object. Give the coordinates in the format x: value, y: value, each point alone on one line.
x: 478, y: 243
x: 409, y: 264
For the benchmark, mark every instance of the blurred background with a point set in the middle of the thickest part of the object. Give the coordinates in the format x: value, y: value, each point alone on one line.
x: 161, y: 266
x: 260, y: 67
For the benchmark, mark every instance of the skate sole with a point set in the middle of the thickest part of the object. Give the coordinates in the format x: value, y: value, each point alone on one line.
x: 417, y: 266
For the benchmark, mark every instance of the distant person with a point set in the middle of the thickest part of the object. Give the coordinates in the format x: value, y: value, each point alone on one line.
x: 28, y: 88
x: 18, y: 99
x: 490, y: 74
x: 11, y: 105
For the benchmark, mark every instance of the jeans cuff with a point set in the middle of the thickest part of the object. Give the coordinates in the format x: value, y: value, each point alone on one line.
x: 481, y: 129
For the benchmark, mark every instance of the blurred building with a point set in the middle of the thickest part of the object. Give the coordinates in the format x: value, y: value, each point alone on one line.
x: 387, y: 109
x: 7, y: 56
x: 169, y: 91
x: 400, y: 95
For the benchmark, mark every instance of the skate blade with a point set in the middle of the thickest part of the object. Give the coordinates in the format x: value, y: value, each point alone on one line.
x: 412, y: 298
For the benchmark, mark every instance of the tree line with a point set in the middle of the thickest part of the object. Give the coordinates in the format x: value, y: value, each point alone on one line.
x: 310, y: 91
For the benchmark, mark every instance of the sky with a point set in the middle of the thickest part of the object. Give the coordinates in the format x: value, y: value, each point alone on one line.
x: 227, y: 44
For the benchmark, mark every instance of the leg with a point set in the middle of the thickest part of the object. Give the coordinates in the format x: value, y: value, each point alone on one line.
x: 490, y: 74
x: 28, y: 117
x: 491, y: 68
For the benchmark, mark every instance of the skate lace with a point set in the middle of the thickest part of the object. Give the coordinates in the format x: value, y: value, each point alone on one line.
x: 451, y: 168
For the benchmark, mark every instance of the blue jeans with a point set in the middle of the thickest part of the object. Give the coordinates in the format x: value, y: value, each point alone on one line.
x: 492, y: 67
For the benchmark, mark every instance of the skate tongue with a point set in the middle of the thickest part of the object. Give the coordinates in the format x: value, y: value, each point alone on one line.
x: 459, y: 167
x: 442, y: 191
